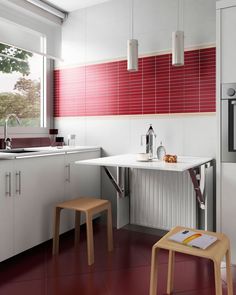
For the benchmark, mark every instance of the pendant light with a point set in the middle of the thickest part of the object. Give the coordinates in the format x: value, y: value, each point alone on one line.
x: 132, y: 47
x: 178, y: 40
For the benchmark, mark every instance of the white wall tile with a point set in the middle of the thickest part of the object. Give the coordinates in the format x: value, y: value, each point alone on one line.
x: 102, y: 30
x: 181, y: 135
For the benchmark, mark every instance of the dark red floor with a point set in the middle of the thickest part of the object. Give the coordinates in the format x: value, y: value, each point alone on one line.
x: 124, y: 271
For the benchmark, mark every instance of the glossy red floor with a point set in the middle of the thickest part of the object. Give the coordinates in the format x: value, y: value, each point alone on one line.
x: 125, y: 271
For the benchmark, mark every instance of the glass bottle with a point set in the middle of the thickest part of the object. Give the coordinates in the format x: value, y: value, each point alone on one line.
x: 161, y: 152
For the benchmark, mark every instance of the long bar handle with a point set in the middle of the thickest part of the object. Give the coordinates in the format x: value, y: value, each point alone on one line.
x: 20, y: 182
x: 7, y: 185
x: 18, y: 176
x: 231, y: 120
x: 10, y: 184
x: 68, y: 172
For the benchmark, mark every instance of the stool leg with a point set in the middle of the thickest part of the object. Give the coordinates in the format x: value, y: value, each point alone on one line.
x: 218, y: 283
x: 109, y: 229
x: 77, y: 227
x: 170, y: 278
x: 153, y: 276
x: 56, y: 229
x: 229, y: 273
x: 90, y: 243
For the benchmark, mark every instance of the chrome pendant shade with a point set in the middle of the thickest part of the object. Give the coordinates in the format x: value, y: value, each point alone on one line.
x: 132, y: 55
x: 178, y: 48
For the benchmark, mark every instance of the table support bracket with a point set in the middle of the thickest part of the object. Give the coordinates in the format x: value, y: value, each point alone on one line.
x: 198, y: 177
x: 113, y: 180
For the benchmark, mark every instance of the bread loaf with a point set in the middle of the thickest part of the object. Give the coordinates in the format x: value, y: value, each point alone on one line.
x: 170, y: 158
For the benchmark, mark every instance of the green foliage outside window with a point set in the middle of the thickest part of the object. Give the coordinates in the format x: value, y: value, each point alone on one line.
x: 17, y: 60
x: 24, y: 100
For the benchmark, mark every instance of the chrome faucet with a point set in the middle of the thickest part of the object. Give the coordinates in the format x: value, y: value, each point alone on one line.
x: 7, y: 140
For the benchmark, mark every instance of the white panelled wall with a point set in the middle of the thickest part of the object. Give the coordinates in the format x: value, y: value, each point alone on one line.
x: 100, y: 33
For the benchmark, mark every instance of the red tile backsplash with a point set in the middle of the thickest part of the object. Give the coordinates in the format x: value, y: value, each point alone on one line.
x: 157, y: 88
x: 28, y: 142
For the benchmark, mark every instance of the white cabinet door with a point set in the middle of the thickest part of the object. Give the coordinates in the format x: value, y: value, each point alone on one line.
x: 38, y: 188
x: 6, y: 211
x: 228, y: 204
x: 228, y: 44
x: 81, y: 181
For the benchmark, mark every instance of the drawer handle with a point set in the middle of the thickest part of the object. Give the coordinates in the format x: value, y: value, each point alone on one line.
x: 68, y: 173
x: 8, y: 184
x: 18, y: 176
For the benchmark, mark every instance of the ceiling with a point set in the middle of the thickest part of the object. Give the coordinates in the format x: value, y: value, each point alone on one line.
x: 70, y: 5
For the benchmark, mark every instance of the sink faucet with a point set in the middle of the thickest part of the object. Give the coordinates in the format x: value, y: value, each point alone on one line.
x: 7, y: 140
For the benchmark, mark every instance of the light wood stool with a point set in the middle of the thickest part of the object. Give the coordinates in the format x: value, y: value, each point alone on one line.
x: 215, y: 252
x: 89, y: 206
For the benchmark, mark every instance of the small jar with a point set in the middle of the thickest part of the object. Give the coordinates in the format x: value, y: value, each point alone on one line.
x: 71, y: 139
x: 59, y: 142
x: 52, y: 134
x: 161, y: 152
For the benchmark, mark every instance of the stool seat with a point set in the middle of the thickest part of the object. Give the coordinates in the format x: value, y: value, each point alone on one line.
x: 83, y: 204
x: 215, y: 252
x: 89, y: 206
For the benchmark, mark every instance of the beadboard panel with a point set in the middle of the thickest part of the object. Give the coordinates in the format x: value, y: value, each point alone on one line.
x: 162, y: 199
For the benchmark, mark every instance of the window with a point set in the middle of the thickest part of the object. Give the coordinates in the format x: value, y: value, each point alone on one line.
x: 22, y: 84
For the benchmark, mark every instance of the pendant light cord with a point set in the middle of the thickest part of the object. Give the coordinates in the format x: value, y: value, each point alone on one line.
x: 132, y: 18
x: 180, y: 16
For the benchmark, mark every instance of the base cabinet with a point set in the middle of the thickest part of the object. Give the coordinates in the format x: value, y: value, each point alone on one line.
x: 228, y: 204
x: 39, y: 184
x: 6, y: 210
x: 29, y: 190
x: 80, y: 180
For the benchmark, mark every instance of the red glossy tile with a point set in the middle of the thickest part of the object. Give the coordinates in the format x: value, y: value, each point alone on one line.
x: 30, y: 265
x: 36, y: 287
x: 207, y: 291
x: 126, y: 270
x: 88, y: 284
x: 109, y: 89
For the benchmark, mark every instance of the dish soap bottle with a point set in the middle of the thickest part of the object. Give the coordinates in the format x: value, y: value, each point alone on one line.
x: 161, y: 152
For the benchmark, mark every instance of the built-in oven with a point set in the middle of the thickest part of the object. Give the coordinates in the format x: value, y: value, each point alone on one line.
x: 228, y: 122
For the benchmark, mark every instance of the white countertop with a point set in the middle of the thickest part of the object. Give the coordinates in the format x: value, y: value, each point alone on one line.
x: 129, y: 161
x: 45, y: 151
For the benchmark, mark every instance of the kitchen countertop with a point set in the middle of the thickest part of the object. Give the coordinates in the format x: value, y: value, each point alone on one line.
x: 45, y: 151
x: 129, y: 160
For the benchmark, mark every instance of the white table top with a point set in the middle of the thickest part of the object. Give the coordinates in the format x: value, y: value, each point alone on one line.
x: 129, y: 161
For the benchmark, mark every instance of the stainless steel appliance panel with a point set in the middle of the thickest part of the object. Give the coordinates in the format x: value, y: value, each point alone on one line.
x: 228, y: 123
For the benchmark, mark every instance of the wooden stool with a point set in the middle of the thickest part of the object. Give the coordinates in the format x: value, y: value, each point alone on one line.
x: 215, y: 252
x: 89, y: 206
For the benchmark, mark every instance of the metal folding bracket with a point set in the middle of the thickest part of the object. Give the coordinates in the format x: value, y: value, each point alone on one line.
x: 198, y: 177
x: 121, y: 184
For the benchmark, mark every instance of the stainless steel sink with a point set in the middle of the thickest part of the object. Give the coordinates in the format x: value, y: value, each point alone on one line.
x: 17, y: 151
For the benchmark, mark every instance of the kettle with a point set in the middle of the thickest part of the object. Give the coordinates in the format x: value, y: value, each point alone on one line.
x: 150, y: 139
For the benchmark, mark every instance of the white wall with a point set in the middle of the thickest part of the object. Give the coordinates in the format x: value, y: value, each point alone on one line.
x: 100, y: 33
x: 182, y: 135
